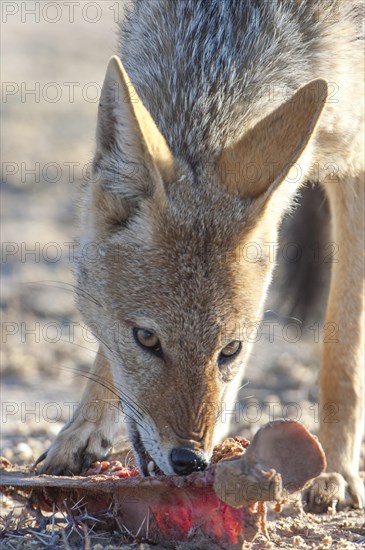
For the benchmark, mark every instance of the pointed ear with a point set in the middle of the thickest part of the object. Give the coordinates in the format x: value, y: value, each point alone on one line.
x: 125, y: 124
x: 270, y: 148
x: 132, y: 157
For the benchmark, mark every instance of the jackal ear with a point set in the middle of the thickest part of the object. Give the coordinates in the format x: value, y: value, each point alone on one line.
x: 264, y: 156
x: 132, y: 157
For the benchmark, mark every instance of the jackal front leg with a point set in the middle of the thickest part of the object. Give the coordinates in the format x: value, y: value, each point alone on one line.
x: 90, y: 434
x: 341, y: 381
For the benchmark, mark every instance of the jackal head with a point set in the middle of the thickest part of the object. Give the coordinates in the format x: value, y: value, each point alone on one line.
x: 182, y: 269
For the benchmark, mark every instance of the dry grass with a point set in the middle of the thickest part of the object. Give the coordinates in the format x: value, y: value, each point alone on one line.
x: 24, y: 528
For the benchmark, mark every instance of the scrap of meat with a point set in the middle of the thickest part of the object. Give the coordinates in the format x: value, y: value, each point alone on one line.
x: 112, y: 468
x: 232, y: 447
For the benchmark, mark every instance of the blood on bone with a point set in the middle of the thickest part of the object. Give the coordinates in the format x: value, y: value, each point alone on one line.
x: 197, y: 507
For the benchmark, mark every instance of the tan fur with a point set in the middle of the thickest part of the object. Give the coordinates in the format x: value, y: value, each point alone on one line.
x: 95, y: 424
x: 177, y: 234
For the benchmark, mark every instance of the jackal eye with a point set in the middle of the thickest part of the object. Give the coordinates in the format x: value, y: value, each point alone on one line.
x: 229, y: 351
x: 147, y: 340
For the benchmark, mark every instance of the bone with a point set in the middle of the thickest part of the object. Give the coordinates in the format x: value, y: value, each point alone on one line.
x: 161, y: 508
x: 220, y: 504
x: 283, y: 453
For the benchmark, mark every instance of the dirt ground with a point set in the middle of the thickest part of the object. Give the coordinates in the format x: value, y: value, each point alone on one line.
x: 53, y: 62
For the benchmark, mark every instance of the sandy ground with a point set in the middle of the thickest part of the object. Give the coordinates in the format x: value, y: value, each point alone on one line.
x: 53, y: 63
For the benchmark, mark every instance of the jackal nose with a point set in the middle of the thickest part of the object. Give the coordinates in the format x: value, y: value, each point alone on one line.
x: 184, y: 461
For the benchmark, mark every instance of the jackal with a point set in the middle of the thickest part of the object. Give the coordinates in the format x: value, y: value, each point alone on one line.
x: 220, y: 111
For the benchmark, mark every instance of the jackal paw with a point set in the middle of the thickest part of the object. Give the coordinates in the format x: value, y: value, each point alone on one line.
x: 332, y: 490
x: 73, y: 450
